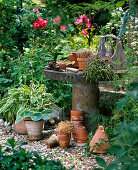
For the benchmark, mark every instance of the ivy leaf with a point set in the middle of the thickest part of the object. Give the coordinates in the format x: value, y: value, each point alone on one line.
x: 101, y: 162
x: 120, y: 3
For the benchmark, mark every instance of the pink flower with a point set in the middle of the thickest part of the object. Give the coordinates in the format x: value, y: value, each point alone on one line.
x: 62, y: 28
x: 21, y: 55
x: 88, y: 25
x: 36, y: 41
x: 88, y: 20
x: 35, y: 10
x: 79, y: 21
x: 84, y: 32
x: 11, y: 59
x: 83, y: 17
x: 44, y: 46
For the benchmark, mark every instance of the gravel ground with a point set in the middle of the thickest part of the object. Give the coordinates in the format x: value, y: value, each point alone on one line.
x: 71, y: 156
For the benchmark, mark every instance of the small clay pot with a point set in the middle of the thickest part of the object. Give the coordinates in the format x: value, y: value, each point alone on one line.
x: 34, y: 128
x: 100, y: 134
x: 73, y: 57
x: 77, y: 124
x: 81, y: 63
x: 53, y: 141
x: 77, y: 115
x: 64, y: 139
x: 81, y: 136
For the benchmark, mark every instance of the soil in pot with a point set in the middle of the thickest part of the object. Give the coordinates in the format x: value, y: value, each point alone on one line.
x: 34, y: 128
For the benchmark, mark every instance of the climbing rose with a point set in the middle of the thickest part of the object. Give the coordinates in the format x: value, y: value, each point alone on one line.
x: 62, y: 28
x: 11, y: 59
x: 35, y: 10
x: 88, y: 25
x: 36, y: 24
x: 84, y: 32
x: 40, y: 23
x: 83, y: 17
x: 79, y: 21
x: 21, y: 55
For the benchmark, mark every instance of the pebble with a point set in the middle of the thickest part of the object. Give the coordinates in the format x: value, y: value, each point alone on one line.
x: 69, y: 156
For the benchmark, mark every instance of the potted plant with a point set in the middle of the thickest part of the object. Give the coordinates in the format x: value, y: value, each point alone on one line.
x: 26, y: 102
x: 82, y: 56
x: 64, y: 130
x: 97, y: 69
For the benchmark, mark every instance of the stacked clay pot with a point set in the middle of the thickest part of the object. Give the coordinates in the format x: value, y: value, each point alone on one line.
x: 64, y: 139
x: 81, y: 136
x: 77, y: 119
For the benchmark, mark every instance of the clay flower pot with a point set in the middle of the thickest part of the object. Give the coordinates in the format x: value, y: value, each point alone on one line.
x: 34, y: 129
x: 81, y: 63
x: 64, y: 139
x: 100, y: 134
x: 77, y: 115
x: 81, y: 136
x: 20, y: 127
x: 73, y: 57
x: 53, y: 141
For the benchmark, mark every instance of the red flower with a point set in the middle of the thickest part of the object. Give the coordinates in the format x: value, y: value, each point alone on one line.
x: 36, y: 24
x: 41, y: 23
x: 62, y: 28
x: 21, y: 55
x: 84, y: 32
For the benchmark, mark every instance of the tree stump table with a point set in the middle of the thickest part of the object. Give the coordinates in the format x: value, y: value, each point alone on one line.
x: 85, y: 96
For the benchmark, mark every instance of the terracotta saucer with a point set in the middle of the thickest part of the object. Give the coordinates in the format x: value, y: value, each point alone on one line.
x: 34, y: 139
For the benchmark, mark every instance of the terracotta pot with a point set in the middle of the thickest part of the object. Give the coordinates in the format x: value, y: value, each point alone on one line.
x: 81, y: 63
x: 77, y: 115
x: 20, y: 127
x: 53, y: 141
x: 34, y: 128
x: 98, y: 135
x: 77, y: 124
x: 81, y: 136
x: 73, y: 57
x: 64, y: 139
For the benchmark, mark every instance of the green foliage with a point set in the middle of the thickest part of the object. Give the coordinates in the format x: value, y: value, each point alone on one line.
x: 124, y: 148
x: 62, y: 92
x: 127, y: 107
x: 27, y: 101
x: 12, y: 158
x: 97, y: 70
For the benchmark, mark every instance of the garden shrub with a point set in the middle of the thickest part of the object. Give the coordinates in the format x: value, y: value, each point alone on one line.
x: 15, y: 157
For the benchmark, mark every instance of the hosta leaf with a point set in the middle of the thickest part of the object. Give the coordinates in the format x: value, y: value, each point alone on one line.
x: 36, y: 116
x: 46, y: 116
x: 48, y: 111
